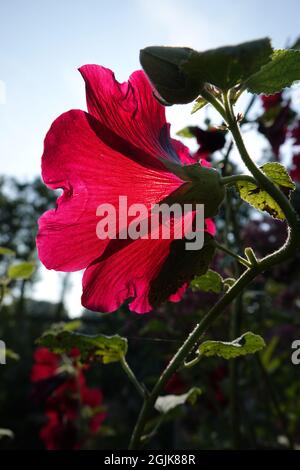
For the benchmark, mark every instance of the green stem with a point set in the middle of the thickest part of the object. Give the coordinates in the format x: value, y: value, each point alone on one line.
x: 285, y: 252
x: 217, y: 104
x: 226, y: 157
x: 258, y: 174
x: 231, y: 180
x: 2, y: 289
x: 129, y: 372
x: 239, y: 258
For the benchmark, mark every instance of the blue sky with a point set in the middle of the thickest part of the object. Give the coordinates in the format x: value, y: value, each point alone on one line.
x: 43, y: 42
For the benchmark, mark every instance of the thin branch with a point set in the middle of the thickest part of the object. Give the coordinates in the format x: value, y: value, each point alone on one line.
x: 129, y: 372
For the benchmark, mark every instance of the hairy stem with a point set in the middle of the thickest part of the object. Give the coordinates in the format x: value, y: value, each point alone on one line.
x: 231, y: 180
x: 129, y: 372
x: 239, y: 258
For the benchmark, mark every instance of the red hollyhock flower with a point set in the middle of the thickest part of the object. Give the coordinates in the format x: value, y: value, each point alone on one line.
x: 115, y: 149
x: 277, y: 131
x: 270, y: 101
x: 65, y: 403
x: 295, y: 171
x: 209, y: 141
x: 295, y: 133
x: 59, y: 434
x: 45, y: 364
x: 175, y: 385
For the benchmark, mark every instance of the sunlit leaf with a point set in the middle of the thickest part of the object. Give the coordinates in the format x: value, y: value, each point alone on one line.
x: 259, y: 198
x: 6, y: 433
x: 10, y: 354
x: 248, y: 343
x: 199, y: 104
x: 22, y: 270
x: 6, y: 251
x: 186, y: 132
x: 282, y: 71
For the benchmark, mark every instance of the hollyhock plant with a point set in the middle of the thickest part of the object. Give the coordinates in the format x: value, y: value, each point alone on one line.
x: 66, y: 401
x: 122, y: 146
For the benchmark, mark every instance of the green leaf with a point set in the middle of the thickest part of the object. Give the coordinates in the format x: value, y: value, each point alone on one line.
x: 199, y: 104
x: 6, y: 251
x: 181, y: 266
x: 169, y: 402
x: 6, y: 433
x: 99, y: 347
x: 282, y: 71
x: 210, y: 281
x: 186, y: 132
x: 21, y: 270
x: 229, y: 66
x: 248, y: 343
x: 259, y: 198
x: 269, y: 360
x: 10, y: 354
x: 162, y: 65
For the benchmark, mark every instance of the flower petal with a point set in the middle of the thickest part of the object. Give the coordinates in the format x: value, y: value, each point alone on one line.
x: 85, y: 159
x: 129, y: 109
x: 127, y: 270
x: 125, y: 274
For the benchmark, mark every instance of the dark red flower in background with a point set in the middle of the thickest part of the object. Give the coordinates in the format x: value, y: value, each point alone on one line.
x: 175, y: 385
x: 275, y: 121
x: 295, y: 171
x: 218, y: 398
x: 45, y: 364
x: 209, y: 141
x: 271, y: 101
x: 295, y: 133
x: 117, y: 148
x: 65, y: 404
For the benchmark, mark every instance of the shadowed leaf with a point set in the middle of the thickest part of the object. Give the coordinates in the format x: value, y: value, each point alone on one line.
x: 228, y: 66
x: 209, y: 282
x: 106, y: 349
